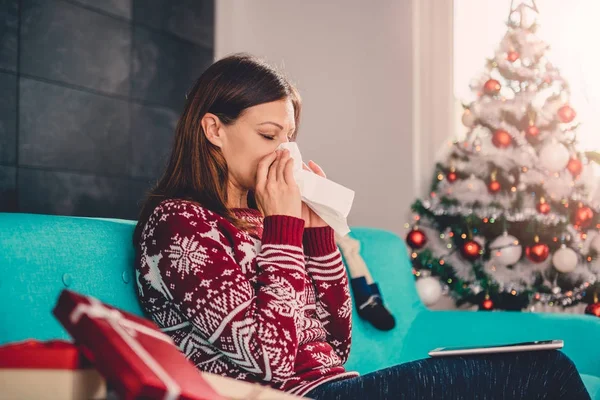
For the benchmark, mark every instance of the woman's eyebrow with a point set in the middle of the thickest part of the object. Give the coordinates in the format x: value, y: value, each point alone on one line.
x: 276, y: 124
x: 272, y: 123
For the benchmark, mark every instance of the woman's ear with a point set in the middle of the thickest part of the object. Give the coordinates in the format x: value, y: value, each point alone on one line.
x: 211, y: 126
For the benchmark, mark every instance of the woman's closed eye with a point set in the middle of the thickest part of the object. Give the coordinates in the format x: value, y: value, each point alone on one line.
x: 272, y: 137
x: 268, y: 137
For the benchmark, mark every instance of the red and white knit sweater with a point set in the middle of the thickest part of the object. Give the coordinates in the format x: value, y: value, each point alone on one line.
x: 271, y: 307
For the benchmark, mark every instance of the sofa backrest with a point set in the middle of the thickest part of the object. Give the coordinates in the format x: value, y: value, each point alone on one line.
x: 389, y: 263
x: 42, y: 254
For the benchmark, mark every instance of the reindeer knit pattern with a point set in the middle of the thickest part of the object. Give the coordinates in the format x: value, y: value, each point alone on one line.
x: 271, y: 306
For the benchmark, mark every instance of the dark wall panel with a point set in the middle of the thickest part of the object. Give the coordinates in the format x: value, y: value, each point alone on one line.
x: 9, y: 34
x: 8, y: 186
x: 91, y: 94
x: 64, y: 193
x: 8, y: 119
x: 164, y: 67
x: 69, y: 129
x: 150, y: 145
x: 66, y: 43
x: 189, y: 19
x: 121, y: 8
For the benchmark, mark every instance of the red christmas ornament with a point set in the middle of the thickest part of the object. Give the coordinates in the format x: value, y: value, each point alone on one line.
x: 538, y: 252
x: 583, y: 216
x: 566, y: 114
x: 501, y: 139
x: 512, y: 56
x: 494, y: 186
x: 532, y: 131
x: 416, y: 238
x: 451, y: 177
x: 487, y: 304
x: 543, y: 207
x: 574, y: 166
x: 593, y: 309
x: 491, y: 87
x: 470, y: 250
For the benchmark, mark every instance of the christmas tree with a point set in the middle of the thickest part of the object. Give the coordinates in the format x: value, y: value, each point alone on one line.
x: 510, y: 221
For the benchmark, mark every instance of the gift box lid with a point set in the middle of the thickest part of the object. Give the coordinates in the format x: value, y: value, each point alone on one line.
x: 35, y: 354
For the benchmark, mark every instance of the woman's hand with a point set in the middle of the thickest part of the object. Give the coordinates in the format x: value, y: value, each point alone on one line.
x: 276, y: 190
x: 311, y: 219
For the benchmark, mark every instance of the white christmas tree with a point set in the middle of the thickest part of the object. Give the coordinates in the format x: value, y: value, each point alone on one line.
x: 510, y: 221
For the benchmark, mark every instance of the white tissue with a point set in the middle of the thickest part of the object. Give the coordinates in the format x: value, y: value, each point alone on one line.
x: 329, y: 200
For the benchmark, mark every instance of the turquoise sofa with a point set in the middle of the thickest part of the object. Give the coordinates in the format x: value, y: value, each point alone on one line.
x: 42, y: 254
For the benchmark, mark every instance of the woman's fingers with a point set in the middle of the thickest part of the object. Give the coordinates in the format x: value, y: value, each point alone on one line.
x: 289, y: 173
x: 283, y: 159
x: 316, y: 168
x: 263, y: 169
x: 272, y: 177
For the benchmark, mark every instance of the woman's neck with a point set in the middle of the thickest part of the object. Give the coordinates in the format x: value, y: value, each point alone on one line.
x: 237, y: 198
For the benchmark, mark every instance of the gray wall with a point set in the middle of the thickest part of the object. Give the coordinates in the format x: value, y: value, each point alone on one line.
x: 354, y: 70
x: 91, y: 92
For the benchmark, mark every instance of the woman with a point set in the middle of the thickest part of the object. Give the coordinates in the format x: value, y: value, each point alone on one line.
x: 248, y: 281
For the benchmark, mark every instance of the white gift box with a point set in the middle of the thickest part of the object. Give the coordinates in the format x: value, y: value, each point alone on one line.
x: 48, y: 370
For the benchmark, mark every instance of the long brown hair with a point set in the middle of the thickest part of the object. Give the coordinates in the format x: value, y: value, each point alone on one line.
x: 196, y: 169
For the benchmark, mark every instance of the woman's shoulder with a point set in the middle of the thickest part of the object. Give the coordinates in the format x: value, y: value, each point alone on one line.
x: 189, y: 209
x: 174, y: 211
x: 183, y: 206
x: 185, y: 218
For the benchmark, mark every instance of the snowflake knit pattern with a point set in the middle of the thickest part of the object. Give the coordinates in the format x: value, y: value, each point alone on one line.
x: 271, y: 307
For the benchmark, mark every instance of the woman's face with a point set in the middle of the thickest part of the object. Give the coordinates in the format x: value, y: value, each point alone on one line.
x: 257, y: 132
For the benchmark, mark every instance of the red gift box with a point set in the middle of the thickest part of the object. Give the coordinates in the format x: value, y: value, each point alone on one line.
x: 136, y: 358
x: 34, y: 354
x: 44, y: 370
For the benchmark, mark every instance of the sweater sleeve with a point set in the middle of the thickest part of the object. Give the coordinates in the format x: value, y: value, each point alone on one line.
x: 334, y: 304
x: 254, y: 325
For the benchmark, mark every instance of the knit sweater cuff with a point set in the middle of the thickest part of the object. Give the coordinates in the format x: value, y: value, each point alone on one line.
x: 283, y: 229
x: 319, y: 241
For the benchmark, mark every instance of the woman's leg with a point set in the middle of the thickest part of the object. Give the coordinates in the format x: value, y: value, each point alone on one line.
x: 525, y: 375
